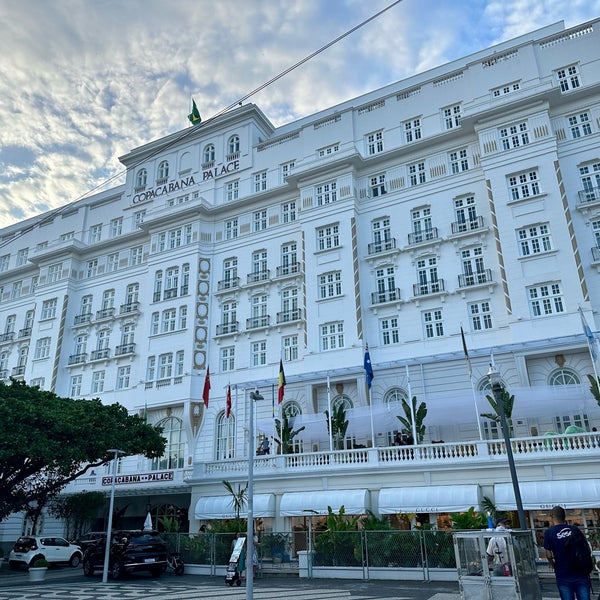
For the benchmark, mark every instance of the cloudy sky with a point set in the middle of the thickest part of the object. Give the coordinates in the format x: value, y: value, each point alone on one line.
x: 84, y: 81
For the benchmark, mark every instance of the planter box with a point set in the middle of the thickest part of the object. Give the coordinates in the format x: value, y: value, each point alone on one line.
x: 37, y: 573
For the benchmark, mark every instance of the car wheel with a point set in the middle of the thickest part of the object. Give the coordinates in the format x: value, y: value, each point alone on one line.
x: 156, y: 571
x: 36, y: 557
x: 88, y: 567
x: 75, y: 560
x: 116, y: 570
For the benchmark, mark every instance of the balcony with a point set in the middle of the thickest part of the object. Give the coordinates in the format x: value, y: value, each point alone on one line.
x: 289, y: 316
x: 7, y: 337
x: 18, y: 371
x: 24, y: 333
x: 83, y: 319
x: 101, y: 354
x: 170, y: 293
x: 258, y: 277
x: 127, y: 309
x: 228, y: 284
x: 256, y: 322
x: 125, y: 349
x: 385, y: 296
x: 287, y: 270
x: 466, y: 226
x: 77, y: 359
x: 228, y: 328
x: 383, y: 246
x: 591, y: 194
x: 468, y: 280
x: 105, y: 313
x: 429, y: 287
x: 419, y: 237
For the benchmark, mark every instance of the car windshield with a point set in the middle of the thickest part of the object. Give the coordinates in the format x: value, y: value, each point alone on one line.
x: 147, y: 537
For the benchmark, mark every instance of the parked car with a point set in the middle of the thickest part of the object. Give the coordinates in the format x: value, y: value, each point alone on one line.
x: 89, y: 538
x: 129, y: 551
x: 55, y: 550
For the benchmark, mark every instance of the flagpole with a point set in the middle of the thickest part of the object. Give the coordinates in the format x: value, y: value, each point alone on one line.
x: 476, y: 409
x: 371, y: 415
x: 329, y: 414
x: 590, y: 340
x: 412, y: 409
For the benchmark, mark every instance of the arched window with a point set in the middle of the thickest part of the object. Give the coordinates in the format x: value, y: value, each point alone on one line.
x: 343, y: 400
x: 292, y: 409
x: 393, y: 398
x: 209, y: 154
x: 225, y: 436
x: 233, y: 145
x: 564, y: 377
x: 163, y: 170
x: 173, y: 457
x: 141, y: 178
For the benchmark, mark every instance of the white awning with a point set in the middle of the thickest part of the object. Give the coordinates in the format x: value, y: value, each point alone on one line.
x: 538, y: 495
x: 428, y: 499
x: 221, y: 507
x: 302, y: 504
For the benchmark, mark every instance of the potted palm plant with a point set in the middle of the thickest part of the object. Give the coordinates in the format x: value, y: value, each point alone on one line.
x: 38, y: 571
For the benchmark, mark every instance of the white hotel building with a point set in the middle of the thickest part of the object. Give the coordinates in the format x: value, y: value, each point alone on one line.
x: 465, y: 196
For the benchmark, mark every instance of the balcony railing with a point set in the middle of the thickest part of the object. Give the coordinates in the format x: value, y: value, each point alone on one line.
x: 385, y: 296
x: 25, y: 332
x: 125, y: 349
x: 418, y: 237
x: 467, y: 280
x: 429, y: 287
x: 464, y: 226
x: 105, y: 313
x: 589, y: 195
x: 77, y: 359
x: 7, y: 337
x: 101, y: 354
x: 595, y: 254
x: 259, y: 276
x: 126, y: 309
x: 228, y: 328
x: 291, y: 269
x: 18, y: 371
x: 383, y: 246
x: 288, y: 316
x: 228, y: 284
x: 254, y: 322
x: 82, y: 319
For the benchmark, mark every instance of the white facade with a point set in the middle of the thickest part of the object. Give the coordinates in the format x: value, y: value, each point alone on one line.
x: 466, y: 196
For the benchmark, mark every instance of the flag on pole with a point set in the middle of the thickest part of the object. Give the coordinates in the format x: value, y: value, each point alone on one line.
x: 591, y: 338
x: 206, y: 389
x: 368, y: 367
x: 467, y: 359
x: 228, y: 409
x: 281, y: 386
x: 194, y: 116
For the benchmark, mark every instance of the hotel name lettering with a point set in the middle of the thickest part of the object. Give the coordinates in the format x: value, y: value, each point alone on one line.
x: 185, y: 182
x: 157, y: 477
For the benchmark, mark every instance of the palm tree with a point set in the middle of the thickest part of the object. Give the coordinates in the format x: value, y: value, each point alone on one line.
x: 239, y: 497
x: 339, y: 425
x: 420, y: 414
x: 286, y: 434
x: 508, y: 400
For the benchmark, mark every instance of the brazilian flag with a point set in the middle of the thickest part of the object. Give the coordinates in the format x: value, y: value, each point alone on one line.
x: 194, y: 116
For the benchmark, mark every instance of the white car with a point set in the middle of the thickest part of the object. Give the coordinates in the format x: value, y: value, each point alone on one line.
x: 28, y: 549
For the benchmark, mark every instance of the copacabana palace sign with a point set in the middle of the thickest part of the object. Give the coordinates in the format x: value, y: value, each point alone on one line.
x: 154, y: 477
x: 185, y: 182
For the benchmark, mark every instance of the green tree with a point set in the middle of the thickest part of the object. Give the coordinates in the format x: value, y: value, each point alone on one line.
x: 420, y: 413
x: 339, y: 425
x: 468, y: 520
x: 508, y: 400
x: 239, y: 497
x: 286, y: 434
x: 79, y: 511
x: 47, y: 441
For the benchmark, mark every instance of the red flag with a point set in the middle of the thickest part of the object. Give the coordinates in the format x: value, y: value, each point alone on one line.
x: 228, y: 411
x: 280, y: 390
x: 206, y: 389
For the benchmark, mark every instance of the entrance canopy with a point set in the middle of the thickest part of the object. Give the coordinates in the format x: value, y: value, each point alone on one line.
x: 428, y: 499
x: 539, y: 495
x: 221, y: 507
x: 302, y: 504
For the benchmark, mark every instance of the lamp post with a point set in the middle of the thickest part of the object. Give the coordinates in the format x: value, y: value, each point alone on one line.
x: 110, y: 513
x: 494, y: 376
x: 254, y: 396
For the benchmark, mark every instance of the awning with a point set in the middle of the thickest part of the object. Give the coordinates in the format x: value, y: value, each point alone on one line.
x: 428, y: 499
x: 538, y: 495
x: 221, y: 507
x: 302, y: 504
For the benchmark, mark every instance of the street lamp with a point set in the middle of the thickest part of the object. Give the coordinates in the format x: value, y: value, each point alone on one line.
x: 254, y: 396
x: 494, y: 376
x: 110, y: 513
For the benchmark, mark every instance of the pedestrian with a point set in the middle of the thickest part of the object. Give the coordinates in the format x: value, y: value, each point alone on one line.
x: 497, y: 551
x: 568, y: 552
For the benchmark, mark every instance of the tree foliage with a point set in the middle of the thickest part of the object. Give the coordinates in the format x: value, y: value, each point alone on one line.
x: 286, y: 433
x: 339, y: 425
x: 507, y: 399
x: 47, y: 441
x: 420, y: 413
x: 79, y: 511
x: 239, y: 497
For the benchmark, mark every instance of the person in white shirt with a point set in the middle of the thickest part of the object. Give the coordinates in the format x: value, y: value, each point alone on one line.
x: 496, y: 550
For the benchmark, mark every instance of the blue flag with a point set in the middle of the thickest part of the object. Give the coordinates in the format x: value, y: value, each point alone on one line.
x: 368, y: 367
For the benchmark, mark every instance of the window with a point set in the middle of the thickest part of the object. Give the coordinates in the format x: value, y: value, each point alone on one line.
x: 514, y: 136
x: 123, y: 377
x: 132, y: 293
x: 568, y: 78
x: 179, y: 362
x: 171, y: 282
x: 182, y: 317
x: 564, y: 421
x: 564, y: 377
x: 328, y: 237
x: 545, y: 299
x: 289, y: 258
x: 151, y: 368
x: 382, y: 235
x: 390, y: 331
x: 185, y: 280
x: 54, y: 273
x: 385, y: 280
x: 92, y: 268
x: 228, y: 358
x: 138, y: 219
x: 374, y: 143
x: 232, y: 190
x: 590, y: 179
x: 288, y: 212
x: 75, y: 386
x: 459, y: 161
x: 524, y: 185
x: 326, y: 193
x: 233, y: 145
x: 136, y: 255
x: 258, y: 356
x: 289, y: 306
x: 332, y: 336
x: 86, y: 305
x: 480, y: 315
x: 580, y: 125
x: 229, y: 317
x: 98, y: 382
x: 506, y: 89
x: 286, y: 170
x: 421, y: 225
x: 154, y: 323
x: 473, y: 268
x: 230, y: 272
x: 417, y: 174
x: 10, y: 324
x: 16, y: 290
x: 174, y: 454
x: 208, y: 155
x: 412, y: 130
x: 427, y: 276
x: 452, y: 116
x: 4, y: 262
x: 22, y: 256
x: 534, y: 240
x: 466, y: 214
x: 231, y: 229
x: 433, y: 324
x: 28, y: 320
x: 259, y: 220
x: 127, y: 335
x: 102, y: 340
x: 141, y: 178
x: 48, y: 309
x: 377, y: 185
x: 329, y: 150
x: 169, y: 318
x: 116, y: 227
x: 158, y: 283
x: 330, y: 285
x: 260, y: 181
x: 112, y: 262
x: 225, y: 437
x: 108, y: 300
x: 42, y: 348
x: 290, y: 347
x: 258, y: 311
x: 163, y: 172
x: 165, y: 365
x: 259, y: 264
x: 95, y: 233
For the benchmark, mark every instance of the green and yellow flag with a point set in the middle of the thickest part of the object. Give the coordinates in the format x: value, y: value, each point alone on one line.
x: 194, y: 116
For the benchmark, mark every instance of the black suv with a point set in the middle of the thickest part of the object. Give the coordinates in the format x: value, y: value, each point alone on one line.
x: 129, y: 551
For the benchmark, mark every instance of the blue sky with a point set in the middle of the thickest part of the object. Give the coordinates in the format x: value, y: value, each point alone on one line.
x: 84, y: 81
